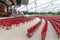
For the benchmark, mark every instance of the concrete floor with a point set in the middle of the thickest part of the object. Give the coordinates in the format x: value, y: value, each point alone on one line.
x: 19, y: 33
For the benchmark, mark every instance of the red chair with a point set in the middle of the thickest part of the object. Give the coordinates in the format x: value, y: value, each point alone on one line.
x: 44, y: 30
x: 31, y: 30
x: 56, y: 25
x: 58, y: 30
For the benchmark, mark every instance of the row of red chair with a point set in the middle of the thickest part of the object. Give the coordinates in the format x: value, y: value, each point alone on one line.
x: 56, y: 25
x: 31, y: 30
x: 8, y: 22
x: 44, y: 30
x: 55, y: 20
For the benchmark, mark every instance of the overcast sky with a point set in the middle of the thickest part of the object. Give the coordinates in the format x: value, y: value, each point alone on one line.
x: 42, y: 5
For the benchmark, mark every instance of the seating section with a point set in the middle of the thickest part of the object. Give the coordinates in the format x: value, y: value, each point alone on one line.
x: 44, y: 30
x: 56, y: 25
x: 54, y: 19
x: 8, y: 22
x: 57, y: 21
x: 31, y: 30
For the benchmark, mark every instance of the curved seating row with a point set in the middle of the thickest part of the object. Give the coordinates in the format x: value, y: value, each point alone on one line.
x: 31, y: 30
x: 56, y: 25
x: 8, y: 22
x: 44, y: 30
